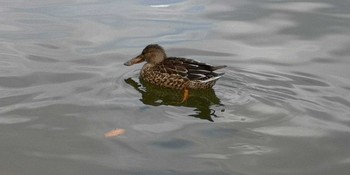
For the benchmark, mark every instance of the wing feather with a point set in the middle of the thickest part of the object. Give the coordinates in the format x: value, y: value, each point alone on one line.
x: 190, y: 69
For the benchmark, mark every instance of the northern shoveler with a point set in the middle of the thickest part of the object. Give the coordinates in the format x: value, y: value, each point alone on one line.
x: 174, y: 72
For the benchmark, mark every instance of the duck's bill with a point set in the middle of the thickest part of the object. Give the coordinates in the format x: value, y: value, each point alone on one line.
x: 135, y: 60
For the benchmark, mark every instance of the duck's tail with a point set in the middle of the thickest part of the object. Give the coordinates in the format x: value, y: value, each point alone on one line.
x: 214, y: 68
x: 214, y: 78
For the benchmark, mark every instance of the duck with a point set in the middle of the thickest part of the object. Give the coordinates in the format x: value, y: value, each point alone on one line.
x: 175, y: 72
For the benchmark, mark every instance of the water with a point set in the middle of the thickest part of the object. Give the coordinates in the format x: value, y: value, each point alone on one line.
x: 281, y: 108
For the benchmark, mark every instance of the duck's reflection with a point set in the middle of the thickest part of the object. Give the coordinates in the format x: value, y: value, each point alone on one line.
x: 201, y: 100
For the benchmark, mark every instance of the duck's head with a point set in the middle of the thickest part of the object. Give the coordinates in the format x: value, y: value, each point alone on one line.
x: 152, y: 54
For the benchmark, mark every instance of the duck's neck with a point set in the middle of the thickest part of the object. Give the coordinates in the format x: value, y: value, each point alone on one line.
x: 158, y: 59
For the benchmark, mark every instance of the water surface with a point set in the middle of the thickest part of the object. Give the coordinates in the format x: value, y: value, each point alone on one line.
x: 281, y: 108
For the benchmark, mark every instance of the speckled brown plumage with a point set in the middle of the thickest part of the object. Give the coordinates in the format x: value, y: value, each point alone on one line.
x: 173, y: 72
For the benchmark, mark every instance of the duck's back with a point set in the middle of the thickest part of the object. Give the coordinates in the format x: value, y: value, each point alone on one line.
x: 178, y: 73
x: 189, y: 68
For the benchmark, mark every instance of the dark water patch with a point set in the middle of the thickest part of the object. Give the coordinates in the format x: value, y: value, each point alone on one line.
x: 245, y: 73
x: 83, y: 89
x: 177, y: 172
x: 263, y: 81
x: 41, y: 59
x: 81, y: 42
x: 159, y: 2
x: 52, y: 110
x: 338, y: 100
x: 47, y: 144
x: 179, y: 52
x: 35, y: 21
x: 311, y: 26
x: 48, y: 46
x: 305, y: 74
x: 57, y: 165
x: 325, y: 60
x: 307, y: 24
x: 101, y: 60
x: 304, y: 81
x: 125, y: 146
x: 40, y: 78
x: 36, y: 35
x: 15, y: 99
x: 276, y: 93
x: 47, y: 99
x: 319, y: 114
x: 344, y: 51
x: 267, y: 61
x: 175, y: 143
x: 312, y: 90
x: 239, y: 11
x: 268, y: 100
x: 347, y: 88
x: 219, y: 132
x: 270, y: 62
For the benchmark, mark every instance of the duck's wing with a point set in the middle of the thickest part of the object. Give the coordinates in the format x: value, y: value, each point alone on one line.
x: 191, y: 69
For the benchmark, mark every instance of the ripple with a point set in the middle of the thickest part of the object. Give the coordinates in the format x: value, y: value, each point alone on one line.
x: 339, y: 100
x: 291, y: 131
x: 211, y: 156
x: 305, y: 81
x: 41, y: 59
x: 158, y: 127
x: 247, y: 149
x: 266, y: 98
x: 219, y: 132
x: 40, y: 78
x: 180, y: 52
x: 123, y: 89
x: 247, y: 101
x: 15, y: 99
x: 233, y: 88
x: 175, y: 143
x: 306, y: 7
x: 279, y: 86
x: 48, y: 46
x: 15, y: 119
